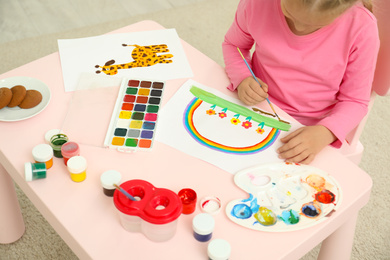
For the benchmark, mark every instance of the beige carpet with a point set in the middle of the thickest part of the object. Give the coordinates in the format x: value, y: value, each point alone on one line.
x: 203, y: 25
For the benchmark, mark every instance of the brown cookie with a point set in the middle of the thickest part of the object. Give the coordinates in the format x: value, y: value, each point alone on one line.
x: 18, y: 94
x: 32, y: 99
x: 5, y: 97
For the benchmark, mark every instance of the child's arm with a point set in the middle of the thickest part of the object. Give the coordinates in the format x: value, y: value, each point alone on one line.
x: 302, y: 145
x: 250, y: 92
x: 237, y: 36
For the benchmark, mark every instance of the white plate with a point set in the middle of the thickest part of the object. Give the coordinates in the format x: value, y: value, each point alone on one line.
x: 17, y: 113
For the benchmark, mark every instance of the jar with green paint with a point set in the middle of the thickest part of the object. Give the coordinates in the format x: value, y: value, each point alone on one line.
x: 56, y: 143
x: 34, y: 171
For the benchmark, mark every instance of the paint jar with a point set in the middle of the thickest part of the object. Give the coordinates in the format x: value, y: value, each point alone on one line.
x: 218, y: 249
x: 34, y: 171
x: 68, y: 150
x: 77, y: 167
x: 49, y: 134
x: 155, y: 212
x: 43, y: 153
x: 56, y: 143
x: 203, y: 226
x: 188, y: 199
x: 108, y: 179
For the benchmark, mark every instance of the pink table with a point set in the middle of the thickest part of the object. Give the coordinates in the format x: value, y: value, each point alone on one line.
x: 87, y: 220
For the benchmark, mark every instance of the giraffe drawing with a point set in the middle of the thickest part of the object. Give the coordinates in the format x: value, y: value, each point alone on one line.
x: 143, y: 56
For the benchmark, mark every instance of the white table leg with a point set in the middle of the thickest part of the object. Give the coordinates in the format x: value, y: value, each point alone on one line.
x: 339, y: 244
x: 11, y: 219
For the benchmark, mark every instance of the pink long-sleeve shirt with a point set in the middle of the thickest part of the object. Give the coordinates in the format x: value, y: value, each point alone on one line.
x: 323, y: 78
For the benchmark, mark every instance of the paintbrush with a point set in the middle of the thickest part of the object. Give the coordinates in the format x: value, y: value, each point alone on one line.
x: 124, y: 192
x: 269, y: 102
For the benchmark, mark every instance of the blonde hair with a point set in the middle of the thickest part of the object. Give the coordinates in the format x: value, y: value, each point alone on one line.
x: 334, y: 5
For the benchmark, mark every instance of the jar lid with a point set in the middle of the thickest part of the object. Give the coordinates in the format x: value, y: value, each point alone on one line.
x: 219, y: 249
x: 203, y: 224
x: 28, y: 174
x: 77, y: 164
x: 70, y: 149
x: 211, y: 205
x: 42, y: 152
x: 49, y: 134
x: 109, y: 178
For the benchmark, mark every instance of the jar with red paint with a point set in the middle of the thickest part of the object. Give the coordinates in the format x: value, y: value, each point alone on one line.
x: 188, y: 199
x: 68, y: 150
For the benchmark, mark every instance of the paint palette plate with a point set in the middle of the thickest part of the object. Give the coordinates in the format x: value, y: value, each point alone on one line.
x: 284, y: 197
x: 134, y: 119
x: 17, y: 113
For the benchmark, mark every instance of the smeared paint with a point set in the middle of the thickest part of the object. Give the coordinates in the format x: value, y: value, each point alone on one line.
x: 311, y: 209
x: 316, y: 181
x: 259, y: 180
x: 241, y: 211
x: 280, y: 199
x: 249, y: 199
x: 254, y: 206
x: 290, y: 217
x: 325, y: 196
x: 265, y: 217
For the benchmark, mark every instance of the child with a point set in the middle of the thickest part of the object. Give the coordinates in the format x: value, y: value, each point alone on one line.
x: 315, y: 59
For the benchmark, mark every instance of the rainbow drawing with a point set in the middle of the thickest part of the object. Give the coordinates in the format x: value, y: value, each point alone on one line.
x: 241, y: 112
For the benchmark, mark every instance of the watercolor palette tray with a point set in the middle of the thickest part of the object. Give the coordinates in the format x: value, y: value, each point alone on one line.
x: 284, y: 197
x: 133, y: 121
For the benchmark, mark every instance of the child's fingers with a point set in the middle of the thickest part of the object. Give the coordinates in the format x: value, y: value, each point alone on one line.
x: 264, y: 86
x: 308, y: 160
x: 257, y: 95
x: 245, y: 95
x: 304, y: 158
x: 248, y: 96
x: 261, y: 90
x: 248, y: 100
x: 290, y: 136
x: 293, y: 147
x: 250, y: 92
x: 290, y: 149
x: 298, y: 155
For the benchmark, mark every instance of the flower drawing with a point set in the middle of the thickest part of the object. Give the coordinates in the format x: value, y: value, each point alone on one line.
x: 260, y: 130
x: 247, y: 124
x: 235, y: 121
x: 210, y: 112
x: 222, y: 114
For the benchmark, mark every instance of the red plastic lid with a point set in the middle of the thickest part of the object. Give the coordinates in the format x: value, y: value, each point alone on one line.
x: 156, y: 205
x: 70, y: 149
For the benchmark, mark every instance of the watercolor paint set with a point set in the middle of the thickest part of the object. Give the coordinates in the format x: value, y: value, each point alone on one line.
x: 134, y: 118
x: 284, y: 197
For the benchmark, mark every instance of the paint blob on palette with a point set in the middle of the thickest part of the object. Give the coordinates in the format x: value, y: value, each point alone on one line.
x: 134, y: 119
x: 284, y: 197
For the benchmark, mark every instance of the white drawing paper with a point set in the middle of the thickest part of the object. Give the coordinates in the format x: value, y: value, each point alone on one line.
x: 149, y: 54
x: 173, y: 132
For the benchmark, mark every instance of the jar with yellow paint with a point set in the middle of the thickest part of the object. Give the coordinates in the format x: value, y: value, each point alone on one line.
x: 77, y: 167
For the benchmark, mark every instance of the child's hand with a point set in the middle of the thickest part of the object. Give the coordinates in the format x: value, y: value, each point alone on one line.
x: 250, y: 92
x: 302, y: 145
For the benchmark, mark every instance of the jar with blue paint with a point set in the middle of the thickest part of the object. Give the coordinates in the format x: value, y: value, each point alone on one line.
x: 203, y: 227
